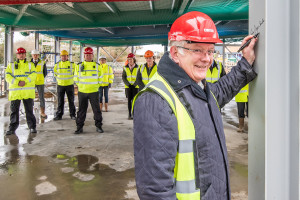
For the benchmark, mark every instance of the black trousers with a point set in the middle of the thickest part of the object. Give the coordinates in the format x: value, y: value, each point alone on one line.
x: 14, y: 115
x: 83, y: 106
x: 130, y: 93
x: 241, y: 106
x: 61, y: 90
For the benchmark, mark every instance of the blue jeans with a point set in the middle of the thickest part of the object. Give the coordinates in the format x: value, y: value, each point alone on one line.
x: 105, y: 88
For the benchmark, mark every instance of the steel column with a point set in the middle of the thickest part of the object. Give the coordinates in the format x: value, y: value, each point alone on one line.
x: 56, y: 49
x: 70, y: 50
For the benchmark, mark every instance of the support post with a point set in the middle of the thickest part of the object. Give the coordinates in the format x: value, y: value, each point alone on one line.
x: 70, y: 51
x: 36, y: 41
x: 56, y: 49
x: 98, y: 53
x: 81, y: 52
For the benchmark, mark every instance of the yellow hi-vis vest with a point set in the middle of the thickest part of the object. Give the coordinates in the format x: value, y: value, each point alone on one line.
x: 64, y: 73
x: 214, y: 76
x: 88, y: 77
x: 242, y: 96
x: 21, y: 71
x: 184, y: 172
x: 39, y: 68
x: 145, y: 77
x: 108, y: 75
x: 131, y: 77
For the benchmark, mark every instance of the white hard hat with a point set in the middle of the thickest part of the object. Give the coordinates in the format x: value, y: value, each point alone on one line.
x: 102, y: 57
x: 35, y: 52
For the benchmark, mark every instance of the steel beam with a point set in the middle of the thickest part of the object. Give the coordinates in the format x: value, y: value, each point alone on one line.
x: 112, y: 7
x: 77, y: 10
x: 21, y: 13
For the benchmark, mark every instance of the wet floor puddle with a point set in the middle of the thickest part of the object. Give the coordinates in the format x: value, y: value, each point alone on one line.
x: 62, y: 177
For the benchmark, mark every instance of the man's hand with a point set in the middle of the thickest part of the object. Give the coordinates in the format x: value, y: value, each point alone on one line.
x: 21, y: 83
x: 248, y: 52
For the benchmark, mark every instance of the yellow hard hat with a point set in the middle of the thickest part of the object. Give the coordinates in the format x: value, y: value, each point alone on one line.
x: 64, y: 53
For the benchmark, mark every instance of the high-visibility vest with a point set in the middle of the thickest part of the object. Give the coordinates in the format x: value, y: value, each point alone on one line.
x: 88, y: 77
x: 145, y: 77
x: 39, y: 68
x: 21, y: 71
x: 64, y: 73
x: 242, y: 96
x: 131, y: 77
x: 108, y: 75
x: 184, y: 171
x: 215, y: 75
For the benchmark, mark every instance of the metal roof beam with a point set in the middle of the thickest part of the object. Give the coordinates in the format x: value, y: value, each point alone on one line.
x: 37, y: 13
x: 109, y: 31
x: 112, y: 7
x: 21, y: 13
x: 184, y: 6
x: 77, y: 10
x: 152, y: 8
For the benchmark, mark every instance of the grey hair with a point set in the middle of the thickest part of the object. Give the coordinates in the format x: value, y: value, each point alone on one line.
x: 177, y: 43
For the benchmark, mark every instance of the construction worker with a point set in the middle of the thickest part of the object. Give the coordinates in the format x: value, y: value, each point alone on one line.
x: 21, y: 76
x: 88, y: 77
x: 108, y: 78
x: 64, y: 74
x: 215, y: 72
x: 241, y: 100
x: 129, y: 78
x: 146, y: 70
x: 179, y: 141
x: 41, y: 71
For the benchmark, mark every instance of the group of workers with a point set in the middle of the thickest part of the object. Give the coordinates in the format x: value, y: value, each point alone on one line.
x: 179, y: 141
x: 90, y: 77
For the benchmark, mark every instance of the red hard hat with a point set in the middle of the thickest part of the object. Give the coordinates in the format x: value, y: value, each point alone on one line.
x: 194, y: 26
x: 21, y: 50
x: 149, y: 54
x: 88, y: 50
x: 131, y: 55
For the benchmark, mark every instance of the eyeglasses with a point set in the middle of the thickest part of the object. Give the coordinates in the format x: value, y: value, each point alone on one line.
x: 198, y: 51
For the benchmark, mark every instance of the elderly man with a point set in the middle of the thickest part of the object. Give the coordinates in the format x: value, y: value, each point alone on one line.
x: 179, y: 142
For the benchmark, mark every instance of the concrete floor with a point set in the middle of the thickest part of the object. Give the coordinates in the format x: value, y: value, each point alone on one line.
x: 56, y: 164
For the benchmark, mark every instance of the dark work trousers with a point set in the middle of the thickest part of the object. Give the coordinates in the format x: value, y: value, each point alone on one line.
x: 40, y: 89
x: 14, y: 115
x: 61, y: 90
x: 130, y: 93
x: 105, y: 88
x: 241, y: 106
x: 83, y: 106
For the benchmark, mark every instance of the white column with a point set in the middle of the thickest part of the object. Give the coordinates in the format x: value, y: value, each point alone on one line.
x: 56, y: 49
x: 274, y: 101
x: 8, y: 45
x: 81, y: 52
x: 36, y: 41
x: 98, y: 53
x: 70, y: 50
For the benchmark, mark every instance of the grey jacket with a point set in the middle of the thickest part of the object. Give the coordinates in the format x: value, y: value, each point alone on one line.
x: 156, y: 134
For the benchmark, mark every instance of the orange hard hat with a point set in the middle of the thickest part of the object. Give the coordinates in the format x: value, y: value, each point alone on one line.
x: 149, y: 54
x: 88, y: 50
x: 131, y: 55
x: 196, y: 27
x: 21, y: 50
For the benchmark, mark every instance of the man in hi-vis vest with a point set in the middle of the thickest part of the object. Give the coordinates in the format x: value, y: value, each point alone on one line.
x: 241, y: 100
x: 64, y: 74
x: 215, y: 72
x: 88, y: 77
x: 41, y: 71
x: 179, y: 141
x: 21, y: 76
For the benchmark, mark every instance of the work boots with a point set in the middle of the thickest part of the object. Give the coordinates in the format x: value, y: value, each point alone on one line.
x: 241, y: 125
x: 43, y: 115
x: 101, y: 106
x: 106, y: 107
x: 78, y: 130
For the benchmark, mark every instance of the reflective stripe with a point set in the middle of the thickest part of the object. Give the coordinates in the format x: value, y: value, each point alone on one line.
x: 186, y: 187
x: 146, y: 79
x: 88, y: 77
x: 64, y: 73
x: 161, y: 86
x: 243, y: 91
x: 12, y: 82
x: 105, y: 82
x: 29, y: 64
x: 64, y: 78
x: 214, y: 79
x: 131, y: 81
x: 186, y: 146
x: 23, y: 88
x: 131, y: 76
x: 29, y: 79
x: 142, y: 69
x: 88, y: 83
x: 12, y: 65
x: 39, y: 72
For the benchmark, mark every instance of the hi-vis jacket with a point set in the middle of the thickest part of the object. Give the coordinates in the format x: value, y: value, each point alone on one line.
x: 242, y: 96
x: 129, y: 76
x: 215, y: 75
x: 41, y: 71
x: 179, y: 142
x: 88, y: 77
x: 64, y: 73
x: 17, y: 71
x: 108, y: 75
x: 144, y: 73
